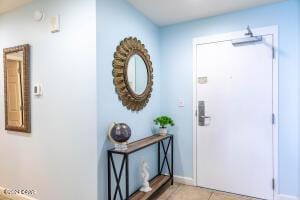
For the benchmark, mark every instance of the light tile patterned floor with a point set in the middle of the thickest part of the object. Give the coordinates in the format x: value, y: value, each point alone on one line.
x: 184, y: 192
x: 3, y: 198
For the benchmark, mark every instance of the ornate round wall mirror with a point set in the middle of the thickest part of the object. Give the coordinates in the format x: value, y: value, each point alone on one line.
x: 133, y: 74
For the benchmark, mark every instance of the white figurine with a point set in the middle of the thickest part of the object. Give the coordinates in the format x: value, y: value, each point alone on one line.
x: 145, y: 176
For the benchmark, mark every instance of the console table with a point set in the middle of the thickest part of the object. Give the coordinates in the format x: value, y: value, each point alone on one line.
x: 156, y: 183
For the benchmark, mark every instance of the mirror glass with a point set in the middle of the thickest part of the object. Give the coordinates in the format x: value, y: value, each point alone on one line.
x: 137, y: 74
x: 15, y: 88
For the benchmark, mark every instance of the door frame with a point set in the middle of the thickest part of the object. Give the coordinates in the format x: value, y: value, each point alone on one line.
x: 270, y: 30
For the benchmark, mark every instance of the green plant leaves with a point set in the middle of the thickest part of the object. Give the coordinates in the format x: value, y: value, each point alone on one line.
x: 163, y: 121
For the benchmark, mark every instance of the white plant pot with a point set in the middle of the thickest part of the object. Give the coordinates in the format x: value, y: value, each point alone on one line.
x: 163, y: 131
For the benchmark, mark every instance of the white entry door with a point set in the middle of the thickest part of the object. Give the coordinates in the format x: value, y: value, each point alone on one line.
x: 234, y: 132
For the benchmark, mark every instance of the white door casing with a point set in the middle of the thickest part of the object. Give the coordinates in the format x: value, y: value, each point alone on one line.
x: 241, y: 94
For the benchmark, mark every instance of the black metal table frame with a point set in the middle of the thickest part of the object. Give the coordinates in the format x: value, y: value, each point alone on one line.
x: 125, y: 162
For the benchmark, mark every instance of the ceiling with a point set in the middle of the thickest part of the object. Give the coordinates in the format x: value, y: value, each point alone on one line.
x: 7, y: 5
x: 166, y: 12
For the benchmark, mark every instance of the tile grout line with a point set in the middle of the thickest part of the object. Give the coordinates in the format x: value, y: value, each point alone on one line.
x: 211, y: 195
x: 168, y: 197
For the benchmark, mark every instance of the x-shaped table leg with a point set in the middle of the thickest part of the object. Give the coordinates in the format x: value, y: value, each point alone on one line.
x: 118, y: 177
x: 165, y: 159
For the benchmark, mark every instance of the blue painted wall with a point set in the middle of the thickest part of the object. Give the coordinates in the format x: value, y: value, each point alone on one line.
x: 117, y: 19
x: 176, y: 59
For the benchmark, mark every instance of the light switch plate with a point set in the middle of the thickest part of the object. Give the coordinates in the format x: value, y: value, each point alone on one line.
x: 55, y: 24
x: 180, y: 102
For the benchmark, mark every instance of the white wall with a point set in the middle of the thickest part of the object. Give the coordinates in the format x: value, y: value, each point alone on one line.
x: 59, y: 158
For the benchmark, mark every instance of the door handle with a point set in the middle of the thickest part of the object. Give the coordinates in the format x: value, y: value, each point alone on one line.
x: 201, y: 114
x: 203, y: 121
x: 205, y: 117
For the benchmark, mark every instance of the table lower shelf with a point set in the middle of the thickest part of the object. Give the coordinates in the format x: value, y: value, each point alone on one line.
x: 155, y: 184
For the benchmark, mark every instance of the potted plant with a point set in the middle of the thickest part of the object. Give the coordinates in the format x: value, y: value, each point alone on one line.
x: 163, y: 122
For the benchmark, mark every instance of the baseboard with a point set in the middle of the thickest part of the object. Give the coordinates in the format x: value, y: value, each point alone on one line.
x: 183, y: 180
x: 286, y: 197
x: 15, y: 197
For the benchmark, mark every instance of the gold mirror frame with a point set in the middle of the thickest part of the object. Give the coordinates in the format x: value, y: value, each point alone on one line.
x: 128, y: 47
x: 26, y: 128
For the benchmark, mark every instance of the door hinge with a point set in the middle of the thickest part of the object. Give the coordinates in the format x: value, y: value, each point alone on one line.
x: 273, y: 184
x: 196, y: 112
x: 273, y: 52
x: 273, y: 118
